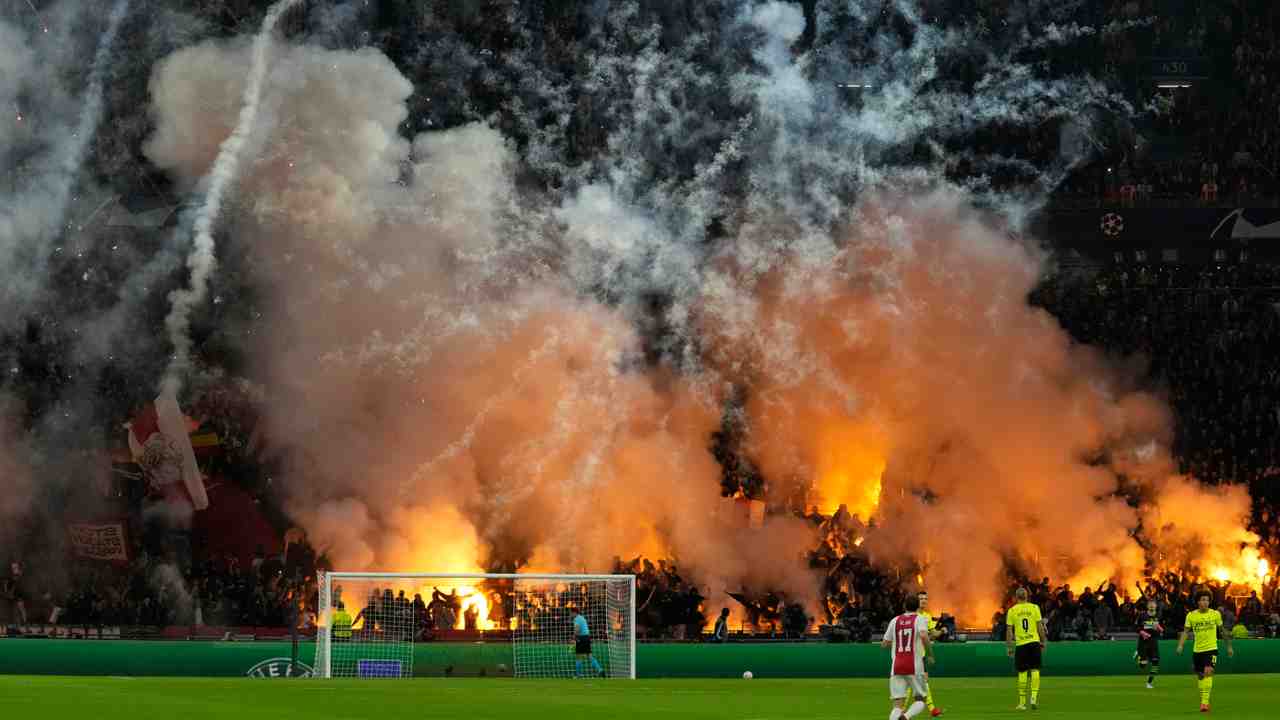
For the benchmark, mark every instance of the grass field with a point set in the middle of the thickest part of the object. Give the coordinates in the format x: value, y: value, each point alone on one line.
x: 1240, y: 697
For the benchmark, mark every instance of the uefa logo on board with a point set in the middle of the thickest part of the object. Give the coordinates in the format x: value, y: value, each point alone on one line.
x: 279, y: 668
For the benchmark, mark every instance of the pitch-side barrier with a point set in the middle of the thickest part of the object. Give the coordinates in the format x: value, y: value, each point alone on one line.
x: 653, y: 660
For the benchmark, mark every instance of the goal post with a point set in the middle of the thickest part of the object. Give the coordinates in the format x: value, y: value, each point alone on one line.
x: 407, y: 624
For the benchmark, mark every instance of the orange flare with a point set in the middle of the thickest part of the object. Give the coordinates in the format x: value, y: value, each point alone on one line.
x: 848, y: 470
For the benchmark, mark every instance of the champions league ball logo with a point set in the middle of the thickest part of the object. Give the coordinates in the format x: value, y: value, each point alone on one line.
x: 1112, y: 224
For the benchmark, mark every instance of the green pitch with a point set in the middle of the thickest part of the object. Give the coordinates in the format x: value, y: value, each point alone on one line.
x: 1239, y: 697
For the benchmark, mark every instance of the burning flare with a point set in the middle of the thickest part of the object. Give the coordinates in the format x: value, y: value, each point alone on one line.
x: 848, y: 471
x: 1250, y: 570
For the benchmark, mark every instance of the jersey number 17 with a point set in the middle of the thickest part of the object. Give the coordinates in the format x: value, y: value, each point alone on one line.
x: 906, y: 638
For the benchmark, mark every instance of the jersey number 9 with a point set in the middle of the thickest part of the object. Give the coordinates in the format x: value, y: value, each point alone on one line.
x: 1026, y: 625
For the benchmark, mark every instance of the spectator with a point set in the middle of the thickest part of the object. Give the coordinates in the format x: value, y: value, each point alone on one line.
x: 15, y: 593
x: 721, y: 633
x: 1102, y: 621
x: 1251, y: 615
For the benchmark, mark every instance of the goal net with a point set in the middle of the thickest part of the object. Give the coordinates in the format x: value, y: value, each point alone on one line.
x: 400, y: 625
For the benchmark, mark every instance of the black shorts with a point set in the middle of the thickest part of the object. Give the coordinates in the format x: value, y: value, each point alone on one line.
x: 1027, y: 657
x: 582, y: 646
x: 1204, y: 660
x: 1149, y: 651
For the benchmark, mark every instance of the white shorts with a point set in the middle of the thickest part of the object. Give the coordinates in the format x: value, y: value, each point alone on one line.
x: 899, y: 684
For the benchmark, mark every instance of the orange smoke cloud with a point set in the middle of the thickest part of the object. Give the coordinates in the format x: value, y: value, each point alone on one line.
x: 910, y: 349
x: 449, y: 398
x: 445, y: 403
x: 1202, y: 532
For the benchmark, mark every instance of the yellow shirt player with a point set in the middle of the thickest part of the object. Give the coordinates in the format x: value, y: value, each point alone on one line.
x: 341, y: 624
x: 934, y: 633
x: 1205, y: 624
x: 1025, y: 639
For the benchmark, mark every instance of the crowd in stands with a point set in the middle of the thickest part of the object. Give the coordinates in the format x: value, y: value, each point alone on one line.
x: 1210, y: 335
x: 154, y: 591
x: 1099, y: 613
x: 1209, y: 138
x: 667, y: 605
x: 386, y: 612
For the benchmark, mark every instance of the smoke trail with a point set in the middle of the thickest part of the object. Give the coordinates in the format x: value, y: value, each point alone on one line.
x: 35, y: 216
x: 72, y: 155
x: 201, y: 262
x: 1053, y: 34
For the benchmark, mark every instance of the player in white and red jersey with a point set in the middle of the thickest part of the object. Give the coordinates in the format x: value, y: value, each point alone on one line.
x: 908, y: 636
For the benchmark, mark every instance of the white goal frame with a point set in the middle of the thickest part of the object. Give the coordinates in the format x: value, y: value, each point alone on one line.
x: 324, y: 635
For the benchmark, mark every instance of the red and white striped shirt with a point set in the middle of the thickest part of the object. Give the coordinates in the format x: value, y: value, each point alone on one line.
x: 907, y: 632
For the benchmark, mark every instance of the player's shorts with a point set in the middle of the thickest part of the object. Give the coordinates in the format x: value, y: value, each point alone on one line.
x: 582, y: 646
x: 1027, y: 657
x: 1149, y: 651
x: 1204, y: 660
x: 900, y: 684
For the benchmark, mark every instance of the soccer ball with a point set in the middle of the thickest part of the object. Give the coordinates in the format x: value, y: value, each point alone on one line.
x: 502, y: 667
x: 747, y: 675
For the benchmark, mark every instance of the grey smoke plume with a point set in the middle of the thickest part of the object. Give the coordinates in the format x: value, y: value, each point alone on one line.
x: 48, y: 126
x: 167, y: 579
x: 49, y: 140
x: 456, y: 364
x: 16, y: 64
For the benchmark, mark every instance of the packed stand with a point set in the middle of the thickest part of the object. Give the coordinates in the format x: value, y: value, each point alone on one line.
x: 1208, y: 138
x: 1210, y: 335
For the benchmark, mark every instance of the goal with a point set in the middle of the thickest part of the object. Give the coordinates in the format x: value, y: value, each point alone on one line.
x: 401, y: 625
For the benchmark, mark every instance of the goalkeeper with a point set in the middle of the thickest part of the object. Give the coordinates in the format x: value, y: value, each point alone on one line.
x: 582, y: 647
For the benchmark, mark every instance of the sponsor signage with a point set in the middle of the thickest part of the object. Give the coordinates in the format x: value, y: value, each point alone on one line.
x: 1179, y: 68
x: 1187, y: 234
x: 378, y: 668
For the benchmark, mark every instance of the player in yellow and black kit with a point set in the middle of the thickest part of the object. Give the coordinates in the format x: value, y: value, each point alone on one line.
x: 1149, y: 633
x: 1025, y: 639
x: 934, y: 634
x: 1205, y: 624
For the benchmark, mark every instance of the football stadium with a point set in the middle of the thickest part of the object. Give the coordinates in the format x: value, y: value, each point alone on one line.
x: 751, y: 359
